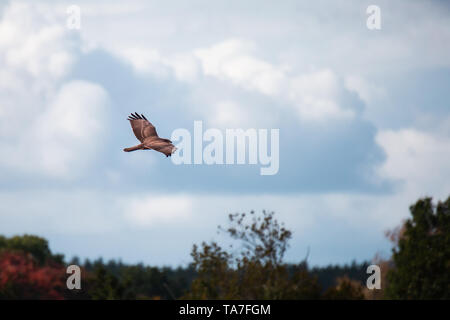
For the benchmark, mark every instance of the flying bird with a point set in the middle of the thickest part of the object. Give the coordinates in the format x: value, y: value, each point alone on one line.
x: 145, y: 132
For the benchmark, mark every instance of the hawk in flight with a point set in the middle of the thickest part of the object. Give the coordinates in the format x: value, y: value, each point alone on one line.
x: 145, y: 132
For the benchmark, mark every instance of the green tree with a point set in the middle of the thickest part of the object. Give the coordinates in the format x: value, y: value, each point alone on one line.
x: 256, y: 270
x: 422, y: 256
x: 36, y: 246
x: 103, y: 285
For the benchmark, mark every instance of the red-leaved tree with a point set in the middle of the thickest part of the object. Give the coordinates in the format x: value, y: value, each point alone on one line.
x: 21, y: 277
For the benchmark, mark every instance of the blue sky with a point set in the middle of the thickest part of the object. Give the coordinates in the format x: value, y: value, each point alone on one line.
x: 364, y: 121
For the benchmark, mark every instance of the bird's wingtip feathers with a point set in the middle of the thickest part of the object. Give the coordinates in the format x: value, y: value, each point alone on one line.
x: 136, y: 116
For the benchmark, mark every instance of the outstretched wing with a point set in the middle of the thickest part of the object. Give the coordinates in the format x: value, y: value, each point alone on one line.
x: 162, y: 145
x: 142, y: 128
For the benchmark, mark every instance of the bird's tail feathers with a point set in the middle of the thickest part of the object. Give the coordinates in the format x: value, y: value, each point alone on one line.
x: 138, y: 147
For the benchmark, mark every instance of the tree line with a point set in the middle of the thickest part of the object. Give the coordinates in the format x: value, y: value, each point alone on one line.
x: 252, y: 267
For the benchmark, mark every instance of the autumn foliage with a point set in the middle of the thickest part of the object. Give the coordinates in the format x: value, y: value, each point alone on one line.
x: 21, y: 277
x: 252, y: 267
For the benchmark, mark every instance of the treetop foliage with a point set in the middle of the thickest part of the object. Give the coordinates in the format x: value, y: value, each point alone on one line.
x: 421, y: 255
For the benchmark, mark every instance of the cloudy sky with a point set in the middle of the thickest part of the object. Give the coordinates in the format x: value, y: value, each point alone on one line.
x: 364, y: 119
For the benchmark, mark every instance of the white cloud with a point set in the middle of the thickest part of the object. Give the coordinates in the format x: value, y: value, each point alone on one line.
x: 418, y: 159
x: 143, y: 60
x: 70, y: 130
x: 314, y: 96
x: 35, y: 53
x: 32, y: 42
x: 61, y: 140
x: 151, y: 210
x: 228, y: 114
x: 47, y: 127
x: 185, y: 67
x: 366, y: 91
x: 231, y: 60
